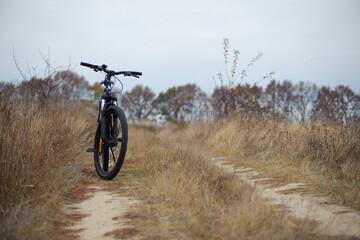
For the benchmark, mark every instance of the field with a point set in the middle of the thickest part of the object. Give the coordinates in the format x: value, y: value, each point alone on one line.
x: 183, y: 196
x: 193, y: 199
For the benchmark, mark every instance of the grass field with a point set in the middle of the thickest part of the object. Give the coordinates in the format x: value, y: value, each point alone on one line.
x: 324, y: 155
x: 183, y: 196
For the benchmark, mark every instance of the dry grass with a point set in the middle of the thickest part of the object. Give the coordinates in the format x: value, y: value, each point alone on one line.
x: 38, y: 146
x: 325, y: 155
x: 185, y: 197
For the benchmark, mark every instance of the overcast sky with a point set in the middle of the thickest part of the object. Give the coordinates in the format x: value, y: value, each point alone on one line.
x: 177, y: 42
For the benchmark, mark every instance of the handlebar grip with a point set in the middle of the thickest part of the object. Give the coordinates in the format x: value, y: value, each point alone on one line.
x: 136, y: 73
x: 87, y: 65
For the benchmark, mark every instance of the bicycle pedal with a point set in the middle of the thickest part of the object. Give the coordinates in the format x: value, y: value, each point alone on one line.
x: 90, y: 150
x: 119, y: 139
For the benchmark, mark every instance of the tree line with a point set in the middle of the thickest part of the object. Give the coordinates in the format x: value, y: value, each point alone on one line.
x: 278, y: 100
x: 189, y: 103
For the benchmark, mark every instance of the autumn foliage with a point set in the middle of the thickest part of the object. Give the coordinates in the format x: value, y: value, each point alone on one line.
x: 188, y: 103
x: 278, y: 100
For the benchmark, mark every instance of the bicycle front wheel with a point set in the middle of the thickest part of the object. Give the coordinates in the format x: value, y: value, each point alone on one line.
x: 109, y: 152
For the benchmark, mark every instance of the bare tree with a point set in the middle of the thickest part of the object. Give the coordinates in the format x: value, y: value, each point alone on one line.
x: 304, y: 96
x: 326, y: 107
x: 184, y: 103
x: 72, y: 86
x: 347, y: 103
x: 166, y: 102
x: 189, y: 103
x: 42, y: 87
x: 139, y: 102
x: 280, y: 96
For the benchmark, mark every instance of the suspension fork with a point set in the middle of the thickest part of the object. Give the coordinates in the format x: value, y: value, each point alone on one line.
x: 104, y: 125
x: 105, y: 102
x: 101, y: 120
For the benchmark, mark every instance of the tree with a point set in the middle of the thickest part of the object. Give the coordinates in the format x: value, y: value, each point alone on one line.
x: 305, y: 96
x: 242, y: 99
x: 326, y: 106
x: 189, y: 103
x: 40, y: 89
x: 247, y: 99
x: 48, y: 86
x: 165, y: 103
x: 221, y: 101
x: 139, y: 102
x: 72, y: 86
x: 182, y: 103
x: 348, y: 103
x: 97, y: 90
x: 280, y: 96
x: 63, y: 86
x: 341, y: 105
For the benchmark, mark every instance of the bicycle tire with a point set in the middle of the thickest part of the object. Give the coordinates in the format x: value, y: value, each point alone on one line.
x: 103, y: 152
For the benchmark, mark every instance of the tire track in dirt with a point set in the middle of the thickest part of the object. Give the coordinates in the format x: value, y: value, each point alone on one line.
x: 331, y: 219
x: 104, y: 216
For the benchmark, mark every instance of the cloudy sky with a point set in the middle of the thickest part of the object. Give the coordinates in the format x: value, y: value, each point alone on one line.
x: 177, y: 42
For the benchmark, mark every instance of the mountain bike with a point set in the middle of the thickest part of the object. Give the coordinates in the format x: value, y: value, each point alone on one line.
x: 111, y: 135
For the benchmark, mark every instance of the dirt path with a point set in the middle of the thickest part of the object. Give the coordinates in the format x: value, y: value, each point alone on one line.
x: 331, y: 219
x: 103, y: 215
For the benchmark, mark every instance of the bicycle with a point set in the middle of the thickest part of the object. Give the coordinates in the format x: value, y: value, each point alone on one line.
x: 111, y: 135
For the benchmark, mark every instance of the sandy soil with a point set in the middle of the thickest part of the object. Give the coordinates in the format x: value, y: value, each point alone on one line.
x: 332, y: 219
x: 104, y: 213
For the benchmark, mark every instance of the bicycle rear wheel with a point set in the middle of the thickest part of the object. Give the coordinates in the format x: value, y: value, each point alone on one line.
x: 109, y: 153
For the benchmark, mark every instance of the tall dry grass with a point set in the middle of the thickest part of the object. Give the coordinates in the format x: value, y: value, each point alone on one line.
x: 185, y: 197
x: 38, y: 149
x: 326, y: 155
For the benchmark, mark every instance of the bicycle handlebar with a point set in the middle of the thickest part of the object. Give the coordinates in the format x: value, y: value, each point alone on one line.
x: 110, y: 72
x: 129, y: 73
x: 88, y: 65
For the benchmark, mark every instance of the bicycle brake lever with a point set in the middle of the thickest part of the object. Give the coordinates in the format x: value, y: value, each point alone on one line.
x: 135, y: 76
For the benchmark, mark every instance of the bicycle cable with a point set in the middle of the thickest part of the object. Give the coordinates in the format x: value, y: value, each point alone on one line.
x: 122, y: 86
